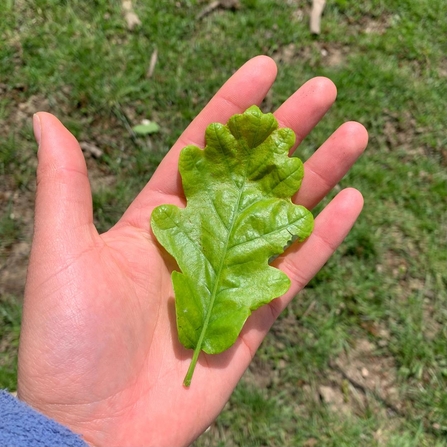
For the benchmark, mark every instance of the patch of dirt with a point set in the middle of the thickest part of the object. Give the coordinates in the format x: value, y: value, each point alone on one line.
x: 443, y: 68
x: 26, y: 110
x: 394, y: 263
x: 369, y: 372
x: 13, y: 270
x: 232, y: 5
x: 335, y: 396
x: 382, y: 434
x: 373, y: 25
x: 260, y: 374
x: 370, y: 24
x: 401, y: 131
x: 359, y: 382
x: 317, y: 54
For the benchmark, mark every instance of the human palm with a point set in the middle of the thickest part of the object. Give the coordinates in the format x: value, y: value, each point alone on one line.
x: 99, y: 349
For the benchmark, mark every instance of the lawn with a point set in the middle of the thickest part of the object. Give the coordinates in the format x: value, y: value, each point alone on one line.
x: 360, y: 356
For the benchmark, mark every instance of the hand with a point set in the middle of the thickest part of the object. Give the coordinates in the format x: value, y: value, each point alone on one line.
x: 99, y: 350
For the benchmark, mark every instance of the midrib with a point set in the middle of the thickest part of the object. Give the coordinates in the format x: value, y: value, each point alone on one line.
x: 209, y: 312
x: 219, y: 270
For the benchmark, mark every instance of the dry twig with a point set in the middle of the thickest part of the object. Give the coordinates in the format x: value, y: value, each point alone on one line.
x: 224, y: 4
x: 315, y: 16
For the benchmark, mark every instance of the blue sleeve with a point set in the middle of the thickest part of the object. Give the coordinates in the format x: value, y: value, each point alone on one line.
x: 22, y: 426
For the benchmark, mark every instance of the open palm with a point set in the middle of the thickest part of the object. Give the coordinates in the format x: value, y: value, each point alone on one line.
x: 99, y: 349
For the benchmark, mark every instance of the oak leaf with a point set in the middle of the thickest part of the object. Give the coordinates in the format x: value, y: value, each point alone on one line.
x: 238, y: 216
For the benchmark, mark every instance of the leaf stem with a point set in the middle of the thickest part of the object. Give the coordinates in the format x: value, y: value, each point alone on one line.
x: 192, y: 365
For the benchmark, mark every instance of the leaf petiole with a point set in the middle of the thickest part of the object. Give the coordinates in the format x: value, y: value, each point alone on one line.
x: 192, y: 366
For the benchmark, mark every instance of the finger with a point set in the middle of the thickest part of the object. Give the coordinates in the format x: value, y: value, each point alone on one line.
x: 246, y: 87
x: 302, y: 261
x: 324, y: 169
x: 305, y: 108
x: 63, y: 209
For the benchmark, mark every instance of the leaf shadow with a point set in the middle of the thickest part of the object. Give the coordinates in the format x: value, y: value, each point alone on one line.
x: 180, y: 352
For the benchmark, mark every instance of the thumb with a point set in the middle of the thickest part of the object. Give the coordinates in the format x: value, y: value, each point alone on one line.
x: 63, y: 209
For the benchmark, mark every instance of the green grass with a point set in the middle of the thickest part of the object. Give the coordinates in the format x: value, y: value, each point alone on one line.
x: 387, y: 283
x: 10, y: 315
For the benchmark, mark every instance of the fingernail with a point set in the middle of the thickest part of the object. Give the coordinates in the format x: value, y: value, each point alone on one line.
x: 37, y: 128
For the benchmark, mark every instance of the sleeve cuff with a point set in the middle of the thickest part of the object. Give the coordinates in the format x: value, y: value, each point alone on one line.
x: 22, y: 426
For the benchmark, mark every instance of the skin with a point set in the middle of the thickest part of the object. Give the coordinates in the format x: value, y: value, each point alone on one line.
x: 98, y: 349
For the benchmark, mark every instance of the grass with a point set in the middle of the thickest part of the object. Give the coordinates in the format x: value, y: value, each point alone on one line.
x: 387, y: 283
x: 10, y: 315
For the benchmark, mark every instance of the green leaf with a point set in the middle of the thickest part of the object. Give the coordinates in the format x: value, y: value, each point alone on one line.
x: 146, y: 128
x: 238, y: 215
